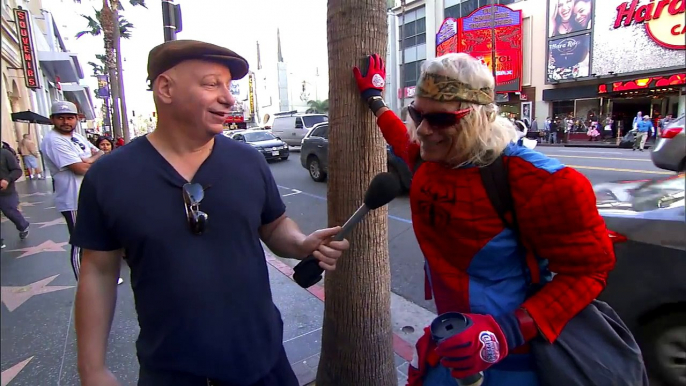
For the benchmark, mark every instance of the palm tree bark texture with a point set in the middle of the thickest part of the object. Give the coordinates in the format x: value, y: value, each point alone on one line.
x: 357, y: 344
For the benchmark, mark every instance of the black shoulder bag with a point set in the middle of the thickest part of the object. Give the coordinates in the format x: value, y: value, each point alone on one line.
x: 595, y: 347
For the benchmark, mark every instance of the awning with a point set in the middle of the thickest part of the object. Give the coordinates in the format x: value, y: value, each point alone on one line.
x: 30, y: 117
x: 81, y: 95
x: 64, y: 65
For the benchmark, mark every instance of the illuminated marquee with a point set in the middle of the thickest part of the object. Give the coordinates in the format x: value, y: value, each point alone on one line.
x: 663, y: 19
x: 28, y: 57
x: 643, y: 83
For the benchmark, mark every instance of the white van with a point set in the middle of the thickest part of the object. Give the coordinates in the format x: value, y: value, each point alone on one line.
x: 291, y: 127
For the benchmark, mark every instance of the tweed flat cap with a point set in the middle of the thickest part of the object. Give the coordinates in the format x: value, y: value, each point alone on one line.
x: 171, y: 53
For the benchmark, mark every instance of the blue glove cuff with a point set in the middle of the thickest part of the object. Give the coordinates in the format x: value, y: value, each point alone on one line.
x: 371, y: 92
x: 510, y: 326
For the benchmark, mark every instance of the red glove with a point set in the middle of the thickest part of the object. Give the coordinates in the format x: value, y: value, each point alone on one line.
x: 372, y: 82
x: 424, y: 357
x: 477, y: 348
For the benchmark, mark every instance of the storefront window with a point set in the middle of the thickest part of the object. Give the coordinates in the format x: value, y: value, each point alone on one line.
x: 562, y: 109
x: 588, y: 110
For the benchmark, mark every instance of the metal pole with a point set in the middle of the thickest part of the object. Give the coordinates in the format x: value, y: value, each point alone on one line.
x: 493, y: 57
x: 168, y: 20
x: 401, y: 83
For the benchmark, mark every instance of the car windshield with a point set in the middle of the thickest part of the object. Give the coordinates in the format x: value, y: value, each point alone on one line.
x: 311, y: 120
x: 258, y: 136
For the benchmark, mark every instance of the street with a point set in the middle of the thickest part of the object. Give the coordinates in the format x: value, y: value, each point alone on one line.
x: 306, y: 204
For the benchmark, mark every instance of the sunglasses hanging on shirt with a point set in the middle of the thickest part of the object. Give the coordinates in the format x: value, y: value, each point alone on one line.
x: 193, y: 194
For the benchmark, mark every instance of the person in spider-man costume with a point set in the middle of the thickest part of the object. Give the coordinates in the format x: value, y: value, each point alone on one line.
x: 473, y: 262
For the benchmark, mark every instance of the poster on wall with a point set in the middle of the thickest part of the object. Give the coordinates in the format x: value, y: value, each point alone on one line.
x: 569, y: 16
x: 569, y: 58
x: 638, y: 36
x: 475, y: 37
x: 446, y: 38
x: 526, y: 112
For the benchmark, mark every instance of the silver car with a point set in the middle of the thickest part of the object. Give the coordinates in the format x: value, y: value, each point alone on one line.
x: 647, y: 223
x: 670, y: 150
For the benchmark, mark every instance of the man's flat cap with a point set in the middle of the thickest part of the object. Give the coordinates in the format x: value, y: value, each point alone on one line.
x: 171, y: 53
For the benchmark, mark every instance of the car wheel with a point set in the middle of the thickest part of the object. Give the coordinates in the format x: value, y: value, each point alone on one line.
x: 682, y: 166
x: 664, y: 341
x: 315, y: 169
x: 284, y: 158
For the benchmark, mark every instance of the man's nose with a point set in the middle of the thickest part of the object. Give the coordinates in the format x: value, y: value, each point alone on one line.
x: 226, y: 98
x: 424, y: 129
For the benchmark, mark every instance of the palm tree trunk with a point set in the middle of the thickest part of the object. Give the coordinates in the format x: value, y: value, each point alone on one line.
x: 357, y: 335
x: 107, y: 32
x: 122, y: 94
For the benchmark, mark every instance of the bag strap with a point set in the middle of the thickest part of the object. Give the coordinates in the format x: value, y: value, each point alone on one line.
x: 497, y: 185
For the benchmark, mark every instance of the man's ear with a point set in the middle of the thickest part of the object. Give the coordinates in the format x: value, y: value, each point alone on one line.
x: 163, y: 87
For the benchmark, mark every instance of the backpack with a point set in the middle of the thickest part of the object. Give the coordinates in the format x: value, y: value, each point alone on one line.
x: 595, y: 347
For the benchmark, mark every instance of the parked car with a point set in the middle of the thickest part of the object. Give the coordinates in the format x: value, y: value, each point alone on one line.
x: 670, y: 150
x: 291, y: 127
x: 647, y: 288
x: 271, y: 147
x: 314, y: 154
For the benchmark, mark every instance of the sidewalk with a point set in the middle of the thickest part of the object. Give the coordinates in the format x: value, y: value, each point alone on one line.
x: 37, y: 335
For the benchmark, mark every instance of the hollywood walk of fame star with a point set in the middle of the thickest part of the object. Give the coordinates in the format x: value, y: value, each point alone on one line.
x: 34, y: 194
x: 9, y: 374
x: 23, y: 204
x: 57, y: 221
x: 13, y: 297
x: 46, y: 246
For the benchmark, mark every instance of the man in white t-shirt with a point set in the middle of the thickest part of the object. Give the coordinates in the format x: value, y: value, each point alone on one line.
x: 68, y: 156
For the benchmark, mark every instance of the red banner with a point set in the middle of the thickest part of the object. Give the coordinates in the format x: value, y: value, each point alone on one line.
x: 28, y: 57
x: 475, y: 38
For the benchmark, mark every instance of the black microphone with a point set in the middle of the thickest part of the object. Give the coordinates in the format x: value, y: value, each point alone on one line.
x: 382, y: 190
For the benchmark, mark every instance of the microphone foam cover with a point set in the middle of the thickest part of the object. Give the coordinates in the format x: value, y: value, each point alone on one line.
x: 382, y: 190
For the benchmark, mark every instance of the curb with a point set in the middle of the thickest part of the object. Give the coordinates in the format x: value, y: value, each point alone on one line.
x: 400, y: 346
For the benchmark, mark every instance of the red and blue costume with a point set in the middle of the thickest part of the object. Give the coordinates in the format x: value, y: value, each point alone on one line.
x: 473, y: 262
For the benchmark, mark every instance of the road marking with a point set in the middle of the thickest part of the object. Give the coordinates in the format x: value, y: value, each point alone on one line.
x: 582, y: 151
x: 404, y: 220
x: 607, y: 158
x: 620, y: 170
x: 294, y: 192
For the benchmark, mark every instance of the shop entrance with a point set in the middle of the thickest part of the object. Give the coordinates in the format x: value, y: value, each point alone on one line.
x: 624, y: 111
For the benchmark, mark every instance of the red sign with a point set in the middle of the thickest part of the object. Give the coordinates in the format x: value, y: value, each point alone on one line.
x: 235, y: 117
x: 663, y: 19
x: 28, y: 57
x: 643, y: 84
x: 476, y: 37
x: 446, y: 38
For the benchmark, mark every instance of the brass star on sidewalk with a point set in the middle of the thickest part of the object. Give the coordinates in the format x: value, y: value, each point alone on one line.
x: 57, y: 221
x: 13, y: 297
x: 9, y: 374
x: 24, y: 203
x: 46, y: 246
x: 34, y: 194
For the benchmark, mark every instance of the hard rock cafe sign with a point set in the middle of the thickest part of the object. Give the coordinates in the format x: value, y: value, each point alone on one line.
x: 663, y: 19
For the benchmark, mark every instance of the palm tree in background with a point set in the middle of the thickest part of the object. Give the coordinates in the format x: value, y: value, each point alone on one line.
x: 318, y: 107
x: 105, y: 18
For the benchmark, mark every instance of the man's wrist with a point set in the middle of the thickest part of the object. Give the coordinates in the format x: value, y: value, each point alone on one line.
x: 376, y: 103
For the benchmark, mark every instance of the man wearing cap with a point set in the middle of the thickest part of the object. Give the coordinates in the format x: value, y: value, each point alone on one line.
x: 198, y: 268
x: 68, y: 156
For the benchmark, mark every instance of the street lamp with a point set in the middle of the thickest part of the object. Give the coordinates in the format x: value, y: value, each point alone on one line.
x: 171, y: 19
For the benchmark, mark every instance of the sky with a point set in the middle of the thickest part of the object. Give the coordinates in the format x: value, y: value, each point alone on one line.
x: 235, y: 24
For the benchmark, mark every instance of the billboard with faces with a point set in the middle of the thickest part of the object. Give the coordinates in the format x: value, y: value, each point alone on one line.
x: 570, y: 28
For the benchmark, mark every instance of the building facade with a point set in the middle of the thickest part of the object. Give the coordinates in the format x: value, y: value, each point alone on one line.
x: 590, y: 59
x: 37, y: 70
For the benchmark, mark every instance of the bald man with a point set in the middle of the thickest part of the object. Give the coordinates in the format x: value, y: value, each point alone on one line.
x: 198, y: 270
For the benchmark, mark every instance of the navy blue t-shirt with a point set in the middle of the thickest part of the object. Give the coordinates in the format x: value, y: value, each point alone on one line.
x: 204, y: 302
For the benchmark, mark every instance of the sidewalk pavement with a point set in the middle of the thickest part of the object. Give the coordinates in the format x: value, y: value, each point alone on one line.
x: 37, y: 334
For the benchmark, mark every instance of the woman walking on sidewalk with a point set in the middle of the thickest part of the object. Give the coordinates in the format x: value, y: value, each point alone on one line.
x: 476, y: 263
x: 10, y: 171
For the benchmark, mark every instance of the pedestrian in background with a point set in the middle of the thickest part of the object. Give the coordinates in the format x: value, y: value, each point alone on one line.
x: 643, y: 129
x: 29, y: 153
x: 191, y: 219
x: 68, y: 156
x: 10, y: 171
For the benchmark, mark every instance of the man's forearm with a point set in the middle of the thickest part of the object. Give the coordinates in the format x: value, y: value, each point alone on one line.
x: 93, y: 158
x: 286, y: 239
x: 96, y: 298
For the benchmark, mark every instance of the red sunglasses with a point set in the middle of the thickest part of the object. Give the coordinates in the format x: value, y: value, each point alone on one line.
x: 441, y: 120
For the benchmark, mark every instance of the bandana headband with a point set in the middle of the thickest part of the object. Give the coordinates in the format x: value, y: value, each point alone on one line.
x: 444, y: 89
